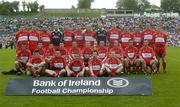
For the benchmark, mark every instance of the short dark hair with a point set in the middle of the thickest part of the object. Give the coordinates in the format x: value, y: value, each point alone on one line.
x: 37, y: 50
x: 95, y: 51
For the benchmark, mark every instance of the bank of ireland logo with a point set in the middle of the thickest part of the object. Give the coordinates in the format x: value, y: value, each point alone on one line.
x: 117, y: 82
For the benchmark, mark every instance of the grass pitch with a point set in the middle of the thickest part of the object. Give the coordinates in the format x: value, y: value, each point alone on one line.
x: 166, y: 89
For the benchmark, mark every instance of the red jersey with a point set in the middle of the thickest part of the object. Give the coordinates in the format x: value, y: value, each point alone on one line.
x: 113, y: 35
x: 96, y: 64
x: 87, y: 52
x: 46, y: 39
x: 74, y: 50
x: 113, y: 62
x: 23, y: 56
x: 102, y: 51
x: 137, y: 39
x: 118, y: 51
x: 79, y: 38
x: 148, y: 34
x: 146, y: 53
x: 160, y: 39
x: 131, y: 52
x: 21, y: 38
x: 42, y: 51
x: 90, y: 36
x: 125, y: 36
x: 68, y: 38
x: 33, y: 40
x: 49, y: 52
x: 57, y: 62
x: 76, y: 65
x: 63, y: 51
x: 36, y: 59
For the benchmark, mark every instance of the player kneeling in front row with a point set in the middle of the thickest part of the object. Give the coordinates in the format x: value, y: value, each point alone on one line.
x: 57, y: 65
x: 36, y: 64
x: 96, y: 66
x: 22, y: 58
x: 76, y: 67
x: 131, y: 62
x: 113, y: 65
x: 148, y: 58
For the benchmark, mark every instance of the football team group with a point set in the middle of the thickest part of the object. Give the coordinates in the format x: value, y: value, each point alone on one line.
x: 86, y: 52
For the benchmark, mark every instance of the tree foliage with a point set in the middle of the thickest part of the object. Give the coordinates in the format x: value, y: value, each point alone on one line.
x: 170, y: 5
x: 7, y: 7
x: 83, y: 4
x: 136, y: 5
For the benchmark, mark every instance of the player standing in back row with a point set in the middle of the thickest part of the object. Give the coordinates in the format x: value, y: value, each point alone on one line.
x: 160, y: 47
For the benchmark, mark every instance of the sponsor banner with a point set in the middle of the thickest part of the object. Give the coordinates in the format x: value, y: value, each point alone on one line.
x: 79, y: 86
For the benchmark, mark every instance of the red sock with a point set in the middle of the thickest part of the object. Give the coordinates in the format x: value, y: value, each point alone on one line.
x: 164, y: 65
x: 158, y: 65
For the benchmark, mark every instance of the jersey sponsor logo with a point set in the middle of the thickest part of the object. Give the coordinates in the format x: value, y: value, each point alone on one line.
x: 87, y: 56
x: 45, y: 39
x: 24, y: 59
x: 118, y: 82
x: 58, y: 65
x: 131, y: 55
x: 78, y: 37
x: 148, y: 36
x: 67, y: 38
x: 33, y: 38
x: 102, y: 55
x: 137, y: 39
x: 147, y: 55
x: 125, y: 39
x: 89, y: 38
x: 96, y: 67
x: 159, y: 39
x: 113, y: 66
x: 22, y: 38
x: 114, y: 36
x: 76, y: 68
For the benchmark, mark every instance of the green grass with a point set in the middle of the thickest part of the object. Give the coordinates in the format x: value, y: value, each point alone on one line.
x: 166, y: 90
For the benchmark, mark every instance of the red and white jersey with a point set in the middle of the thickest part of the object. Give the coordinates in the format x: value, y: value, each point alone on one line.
x: 58, y: 62
x: 131, y: 52
x: 76, y: 65
x: 68, y: 38
x: 23, y: 56
x: 118, y: 51
x: 46, y: 39
x: 87, y: 52
x: 90, y: 36
x: 160, y: 39
x: 49, y: 53
x: 96, y: 64
x: 113, y: 35
x: 79, y: 38
x: 21, y: 38
x: 148, y: 34
x: 33, y: 40
x: 74, y: 51
x: 63, y: 51
x: 137, y: 39
x: 147, y: 53
x: 113, y: 62
x: 36, y: 59
x: 102, y: 51
x: 125, y: 36
x: 42, y: 51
